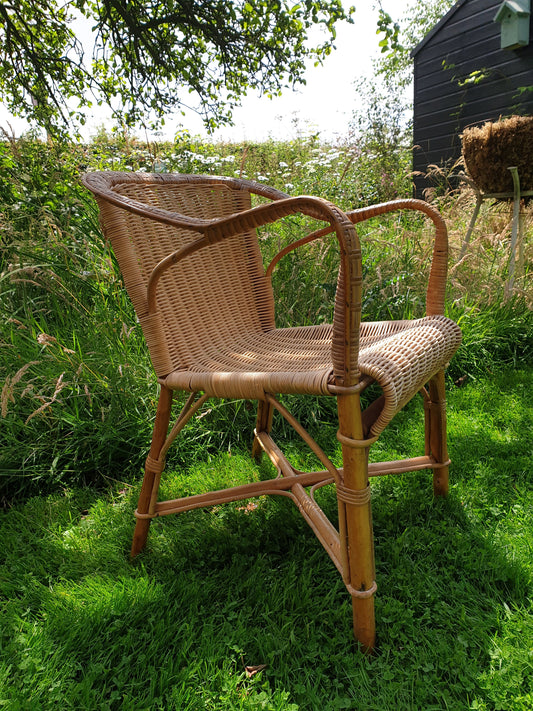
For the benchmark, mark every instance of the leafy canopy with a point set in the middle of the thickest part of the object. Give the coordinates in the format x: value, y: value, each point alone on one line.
x: 152, y: 57
x: 395, y: 64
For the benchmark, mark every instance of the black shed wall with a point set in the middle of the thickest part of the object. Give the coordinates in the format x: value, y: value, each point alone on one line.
x: 448, y: 97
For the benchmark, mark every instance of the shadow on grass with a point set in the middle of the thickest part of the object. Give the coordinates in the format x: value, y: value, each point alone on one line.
x: 221, y: 590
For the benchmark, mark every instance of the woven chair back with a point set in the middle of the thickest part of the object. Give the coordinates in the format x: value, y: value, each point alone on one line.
x: 214, y: 292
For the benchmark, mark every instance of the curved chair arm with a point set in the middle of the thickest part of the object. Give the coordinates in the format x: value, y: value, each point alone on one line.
x: 294, y: 245
x: 214, y: 231
x: 345, y: 347
x: 439, y: 264
x: 436, y: 289
x: 101, y: 183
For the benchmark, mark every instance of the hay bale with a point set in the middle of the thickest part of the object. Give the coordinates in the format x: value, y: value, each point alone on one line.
x: 490, y: 149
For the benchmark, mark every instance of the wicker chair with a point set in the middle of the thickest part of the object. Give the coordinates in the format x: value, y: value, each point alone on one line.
x: 189, y: 253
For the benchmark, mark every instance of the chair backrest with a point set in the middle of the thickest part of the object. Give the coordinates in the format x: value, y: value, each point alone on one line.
x: 216, y: 291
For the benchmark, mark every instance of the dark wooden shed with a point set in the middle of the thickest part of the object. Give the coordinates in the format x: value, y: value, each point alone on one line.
x: 462, y: 76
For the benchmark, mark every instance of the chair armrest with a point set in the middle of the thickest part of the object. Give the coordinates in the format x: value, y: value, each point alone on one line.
x: 439, y: 264
x: 436, y: 289
x: 214, y: 231
x: 294, y: 245
x: 102, y: 184
x: 347, y: 319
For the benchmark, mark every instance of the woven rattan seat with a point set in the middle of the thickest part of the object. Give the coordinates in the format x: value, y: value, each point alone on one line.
x: 399, y: 355
x: 190, y: 258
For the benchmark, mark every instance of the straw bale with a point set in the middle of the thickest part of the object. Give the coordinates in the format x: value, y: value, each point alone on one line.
x: 489, y: 151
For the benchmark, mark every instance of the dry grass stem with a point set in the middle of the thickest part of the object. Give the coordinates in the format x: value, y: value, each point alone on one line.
x: 9, y: 386
x: 59, y: 386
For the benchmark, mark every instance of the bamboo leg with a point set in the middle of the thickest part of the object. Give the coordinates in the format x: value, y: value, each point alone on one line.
x: 509, y: 286
x: 152, y: 474
x: 357, y: 521
x: 479, y: 200
x: 265, y: 413
x: 436, y: 432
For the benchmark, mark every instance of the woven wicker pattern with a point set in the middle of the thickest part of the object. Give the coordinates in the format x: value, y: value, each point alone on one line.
x: 140, y: 244
x: 189, y: 254
x: 213, y: 329
x: 400, y: 355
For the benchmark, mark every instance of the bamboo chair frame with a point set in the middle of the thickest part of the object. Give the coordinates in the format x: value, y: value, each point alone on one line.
x: 405, y: 358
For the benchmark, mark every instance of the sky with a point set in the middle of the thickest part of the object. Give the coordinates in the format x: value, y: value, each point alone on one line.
x: 327, y: 101
x: 325, y: 104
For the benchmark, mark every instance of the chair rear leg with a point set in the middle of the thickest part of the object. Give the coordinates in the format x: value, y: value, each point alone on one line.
x: 152, y: 472
x: 436, y: 437
x: 355, y: 524
x: 265, y: 412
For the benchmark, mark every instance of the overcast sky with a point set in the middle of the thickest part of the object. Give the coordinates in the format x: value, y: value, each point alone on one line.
x: 325, y: 104
x: 327, y: 101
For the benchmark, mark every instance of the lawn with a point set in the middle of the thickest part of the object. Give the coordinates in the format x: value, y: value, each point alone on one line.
x: 219, y: 593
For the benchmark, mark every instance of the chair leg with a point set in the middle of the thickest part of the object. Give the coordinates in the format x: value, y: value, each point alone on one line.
x: 152, y: 472
x: 436, y: 432
x: 356, y: 521
x: 265, y: 412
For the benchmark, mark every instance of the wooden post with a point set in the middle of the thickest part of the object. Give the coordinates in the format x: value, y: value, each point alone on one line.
x: 509, y: 286
x: 152, y: 474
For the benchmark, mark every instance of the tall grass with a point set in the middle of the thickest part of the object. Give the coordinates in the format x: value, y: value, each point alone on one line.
x: 77, y: 393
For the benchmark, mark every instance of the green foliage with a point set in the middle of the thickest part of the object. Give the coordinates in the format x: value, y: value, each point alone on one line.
x: 381, y: 126
x: 151, y: 58
x: 381, y: 131
x: 401, y: 37
x: 391, y: 30
x: 496, y: 335
x: 36, y: 77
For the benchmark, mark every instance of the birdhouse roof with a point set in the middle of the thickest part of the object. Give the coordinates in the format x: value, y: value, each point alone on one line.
x: 516, y: 7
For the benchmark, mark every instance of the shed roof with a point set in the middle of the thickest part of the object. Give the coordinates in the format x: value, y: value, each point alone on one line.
x: 437, y: 27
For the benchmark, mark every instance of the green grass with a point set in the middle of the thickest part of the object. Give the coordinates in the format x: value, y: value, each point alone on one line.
x: 228, y: 588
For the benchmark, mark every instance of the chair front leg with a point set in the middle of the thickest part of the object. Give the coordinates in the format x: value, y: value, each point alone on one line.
x: 152, y: 472
x: 355, y: 521
x: 436, y: 438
